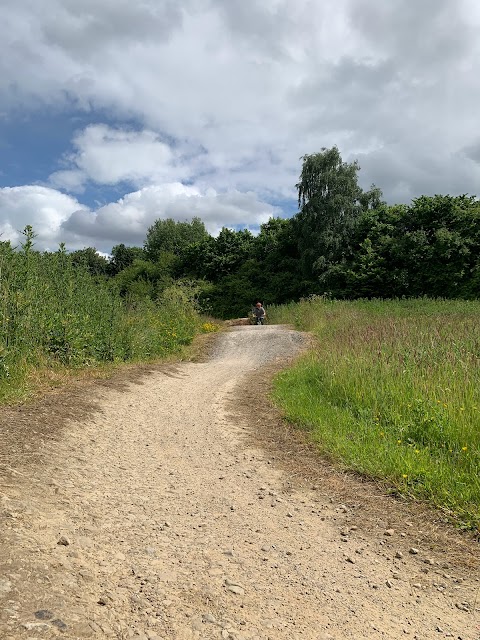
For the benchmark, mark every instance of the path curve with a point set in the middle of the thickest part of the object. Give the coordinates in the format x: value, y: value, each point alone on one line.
x: 172, y: 524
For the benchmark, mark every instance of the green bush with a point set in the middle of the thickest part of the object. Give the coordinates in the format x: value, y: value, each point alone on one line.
x: 56, y: 313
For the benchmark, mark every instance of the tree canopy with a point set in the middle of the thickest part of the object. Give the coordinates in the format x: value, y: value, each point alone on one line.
x: 330, y: 203
x: 173, y: 237
x: 343, y: 242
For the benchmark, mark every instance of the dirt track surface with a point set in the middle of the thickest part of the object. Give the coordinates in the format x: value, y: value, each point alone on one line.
x: 176, y: 522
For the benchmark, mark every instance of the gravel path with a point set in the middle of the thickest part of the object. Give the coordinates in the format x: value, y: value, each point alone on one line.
x: 157, y: 518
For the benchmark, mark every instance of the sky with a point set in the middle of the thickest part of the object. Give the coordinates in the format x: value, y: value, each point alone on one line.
x: 115, y: 113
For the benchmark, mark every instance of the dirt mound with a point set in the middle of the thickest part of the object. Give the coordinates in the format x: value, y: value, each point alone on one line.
x: 237, y: 322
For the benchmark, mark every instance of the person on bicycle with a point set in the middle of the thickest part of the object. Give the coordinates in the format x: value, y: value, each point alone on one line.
x: 259, y: 313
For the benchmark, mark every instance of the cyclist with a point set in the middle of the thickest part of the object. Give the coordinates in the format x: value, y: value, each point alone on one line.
x: 259, y: 313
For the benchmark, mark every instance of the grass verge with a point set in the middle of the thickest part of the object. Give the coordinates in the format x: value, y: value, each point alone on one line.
x: 392, y: 390
x: 29, y: 381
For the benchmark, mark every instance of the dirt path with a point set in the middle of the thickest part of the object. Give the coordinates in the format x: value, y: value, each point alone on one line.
x: 156, y: 517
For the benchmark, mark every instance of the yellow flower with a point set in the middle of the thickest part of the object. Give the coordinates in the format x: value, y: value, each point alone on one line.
x: 209, y: 327
x: 464, y: 448
x: 381, y: 433
x: 417, y: 451
x: 399, y: 442
x: 404, y: 475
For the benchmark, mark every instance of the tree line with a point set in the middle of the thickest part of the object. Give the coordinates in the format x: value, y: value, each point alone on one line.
x: 344, y: 242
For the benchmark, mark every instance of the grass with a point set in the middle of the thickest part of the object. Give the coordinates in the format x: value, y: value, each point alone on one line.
x: 392, y: 390
x: 56, y: 318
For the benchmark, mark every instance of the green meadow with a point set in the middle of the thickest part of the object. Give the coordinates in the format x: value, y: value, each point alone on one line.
x: 392, y: 390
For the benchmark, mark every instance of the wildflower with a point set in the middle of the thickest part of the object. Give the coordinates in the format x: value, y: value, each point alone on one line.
x: 464, y: 448
x: 417, y: 451
x: 382, y: 433
x: 399, y: 442
x: 404, y: 475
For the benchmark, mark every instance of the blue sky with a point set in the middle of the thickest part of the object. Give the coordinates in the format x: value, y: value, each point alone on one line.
x: 32, y: 146
x: 115, y: 113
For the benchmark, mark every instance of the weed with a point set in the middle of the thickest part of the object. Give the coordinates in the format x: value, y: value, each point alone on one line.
x: 53, y: 313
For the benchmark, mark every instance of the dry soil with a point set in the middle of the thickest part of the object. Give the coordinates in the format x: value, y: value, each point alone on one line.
x: 174, y: 503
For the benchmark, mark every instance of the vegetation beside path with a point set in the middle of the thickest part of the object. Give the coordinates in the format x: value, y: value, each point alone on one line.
x: 392, y: 390
x: 57, y: 319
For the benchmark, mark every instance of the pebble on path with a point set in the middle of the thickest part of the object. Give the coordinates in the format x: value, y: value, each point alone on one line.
x: 43, y: 614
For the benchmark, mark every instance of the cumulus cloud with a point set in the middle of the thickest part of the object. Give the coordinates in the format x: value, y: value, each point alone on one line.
x: 57, y: 217
x: 128, y: 219
x: 229, y: 95
x: 106, y: 155
x: 43, y: 208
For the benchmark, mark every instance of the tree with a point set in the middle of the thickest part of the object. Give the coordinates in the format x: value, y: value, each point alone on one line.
x: 146, y: 279
x: 215, y: 258
x: 173, y: 237
x: 91, y: 260
x: 374, y: 268
x: 439, y: 242
x: 430, y: 247
x: 330, y: 202
x: 123, y: 257
x: 279, y: 274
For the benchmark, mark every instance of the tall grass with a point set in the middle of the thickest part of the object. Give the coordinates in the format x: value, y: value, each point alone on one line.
x: 54, y: 314
x: 392, y: 390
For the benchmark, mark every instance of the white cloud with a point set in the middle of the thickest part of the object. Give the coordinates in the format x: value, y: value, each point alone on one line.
x: 105, y: 155
x: 43, y: 208
x: 57, y: 217
x: 128, y: 219
x: 229, y: 95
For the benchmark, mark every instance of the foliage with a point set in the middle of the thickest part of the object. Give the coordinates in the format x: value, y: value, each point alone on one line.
x: 330, y: 202
x: 54, y: 313
x: 430, y: 248
x: 344, y: 242
x: 122, y: 257
x: 279, y: 262
x: 216, y: 258
x: 173, y: 237
x: 232, y: 296
x: 442, y: 236
x: 393, y: 391
x: 146, y: 279
x: 242, y: 268
x: 91, y: 260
